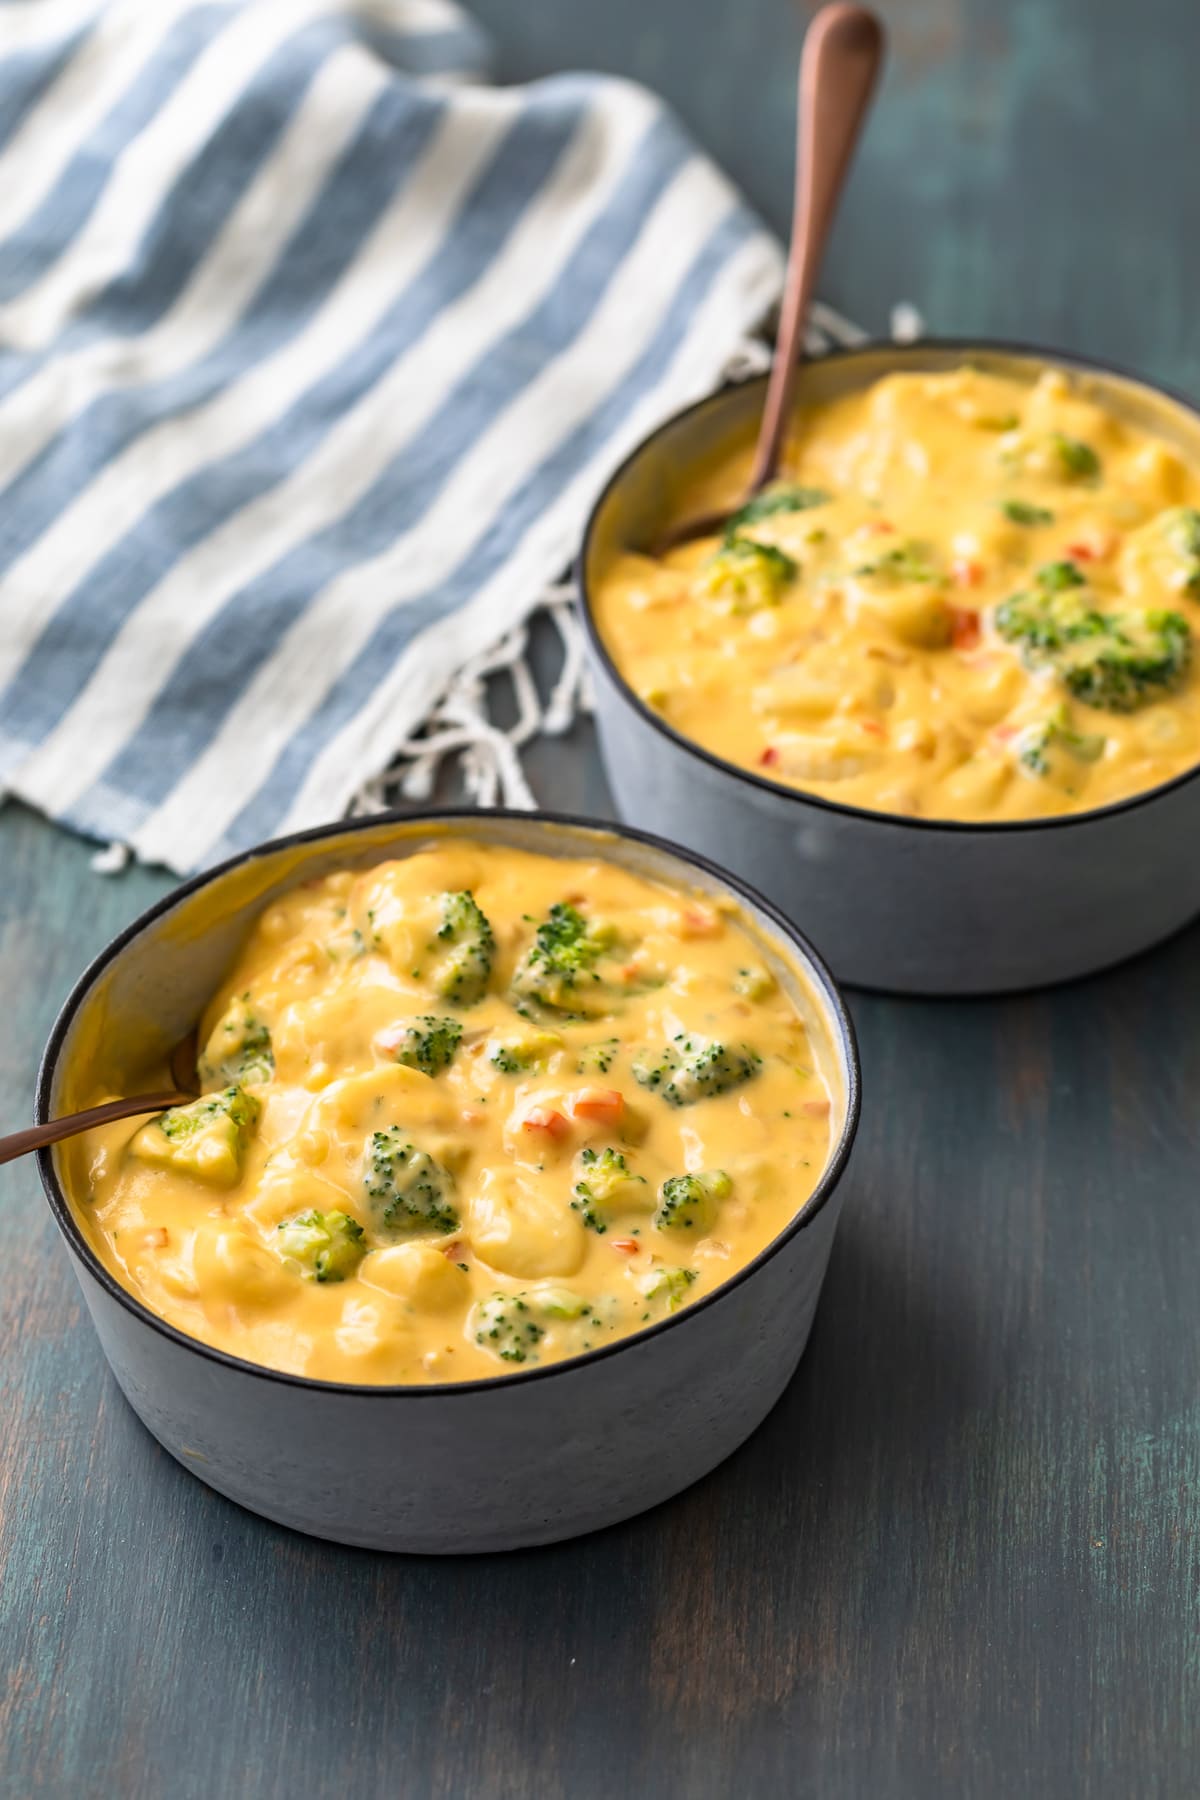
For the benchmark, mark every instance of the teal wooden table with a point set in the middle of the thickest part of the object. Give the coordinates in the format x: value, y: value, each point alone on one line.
x: 963, y: 1555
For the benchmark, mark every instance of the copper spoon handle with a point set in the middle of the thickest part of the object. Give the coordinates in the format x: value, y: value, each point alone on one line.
x: 842, y: 54
x: 20, y: 1143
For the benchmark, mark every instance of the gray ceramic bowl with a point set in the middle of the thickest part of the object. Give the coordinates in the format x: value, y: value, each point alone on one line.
x: 477, y: 1465
x: 905, y: 905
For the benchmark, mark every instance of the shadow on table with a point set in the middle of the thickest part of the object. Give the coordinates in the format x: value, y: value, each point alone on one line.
x: 713, y: 1606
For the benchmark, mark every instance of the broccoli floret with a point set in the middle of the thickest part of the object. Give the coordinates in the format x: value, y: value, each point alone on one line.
x: 232, y: 1107
x: 748, y: 573
x: 524, y: 1050
x: 239, y: 1049
x: 654, y: 1068
x: 560, y: 964
x: 691, y: 1070
x: 428, y: 1044
x: 206, y: 1138
x: 689, y: 1202
x: 783, y: 497
x: 667, y: 1284
x: 1143, y: 656
x: 467, y: 945
x: 1183, y: 534
x: 328, y: 1246
x: 1038, y: 745
x: 1117, y: 661
x: 710, y: 1069
x: 1076, y: 460
x: 559, y: 1302
x: 754, y: 982
x: 1020, y: 512
x: 1051, y: 614
x: 597, y: 1059
x: 606, y: 1184
x: 1059, y: 577
x: 406, y: 1187
x: 505, y: 1325
x: 908, y: 564
x: 512, y: 1326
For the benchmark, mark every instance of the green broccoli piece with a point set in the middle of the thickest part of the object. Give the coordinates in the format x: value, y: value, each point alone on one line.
x: 691, y: 1070
x: 689, y: 1202
x: 1020, y: 512
x: 206, y: 1138
x: 239, y: 1049
x: 668, y: 1284
x: 1005, y: 421
x: 597, y: 1059
x: 406, y: 1187
x: 1183, y: 534
x: 1059, y: 577
x: 512, y: 1326
x: 1076, y: 460
x: 654, y: 1068
x: 754, y: 982
x: 560, y: 964
x: 606, y: 1183
x: 428, y: 1044
x: 748, y: 573
x: 1051, y: 614
x: 521, y: 1050
x: 1116, y: 661
x: 559, y: 1302
x: 327, y: 1246
x: 708, y: 1070
x: 505, y: 1325
x: 1038, y: 745
x: 465, y: 937
x: 909, y: 563
x: 1143, y: 656
x: 782, y: 497
x: 232, y: 1106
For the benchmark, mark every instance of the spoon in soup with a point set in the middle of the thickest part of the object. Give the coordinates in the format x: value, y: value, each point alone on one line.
x: 182, y: 1064
x: 843, y: 50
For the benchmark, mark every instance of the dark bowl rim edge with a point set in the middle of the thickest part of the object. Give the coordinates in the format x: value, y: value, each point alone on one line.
x: 894, y: 821
x: 77, y: 1243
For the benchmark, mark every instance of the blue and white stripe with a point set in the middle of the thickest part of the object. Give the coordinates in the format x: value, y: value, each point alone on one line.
x: 313, y: 350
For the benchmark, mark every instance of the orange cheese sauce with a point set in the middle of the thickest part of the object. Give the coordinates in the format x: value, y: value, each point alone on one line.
x: 889, y: 650
x: 434, y: 1149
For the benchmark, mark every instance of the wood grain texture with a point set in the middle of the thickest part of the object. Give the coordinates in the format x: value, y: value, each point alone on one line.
x: 962, y: 1557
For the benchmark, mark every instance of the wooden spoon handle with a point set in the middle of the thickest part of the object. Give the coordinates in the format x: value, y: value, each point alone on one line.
x: 20, y: 1143
x: 842, y: 54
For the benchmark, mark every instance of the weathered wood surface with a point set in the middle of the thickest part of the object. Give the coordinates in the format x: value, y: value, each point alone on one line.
x: 962, y: 1557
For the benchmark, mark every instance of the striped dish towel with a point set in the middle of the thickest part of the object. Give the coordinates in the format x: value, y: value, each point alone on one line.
x: 314, y: 349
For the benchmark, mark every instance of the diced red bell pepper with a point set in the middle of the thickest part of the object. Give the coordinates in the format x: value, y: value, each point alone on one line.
x: 604, y: 1104
x: 545, y: 1118
x: 964, y: 627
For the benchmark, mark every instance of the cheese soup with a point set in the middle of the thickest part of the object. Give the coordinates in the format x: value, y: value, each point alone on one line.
x: 466, y: 1113
x: 968, y: 597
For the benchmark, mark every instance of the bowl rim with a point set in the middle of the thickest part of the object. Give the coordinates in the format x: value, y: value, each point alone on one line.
x: 963, y: 346
x: 842, y: 1032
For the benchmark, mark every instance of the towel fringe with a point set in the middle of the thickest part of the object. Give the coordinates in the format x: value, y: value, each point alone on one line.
x: 459, y: 724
